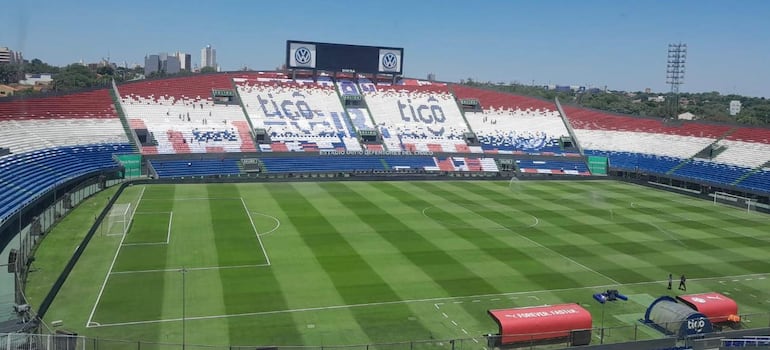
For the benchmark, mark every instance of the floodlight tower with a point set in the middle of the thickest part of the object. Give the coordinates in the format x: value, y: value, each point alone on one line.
x: 677, y: 56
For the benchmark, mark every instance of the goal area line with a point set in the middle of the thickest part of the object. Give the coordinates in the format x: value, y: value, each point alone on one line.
x: 168, y: 230
x: 92, y: 324
x: 177, y: 269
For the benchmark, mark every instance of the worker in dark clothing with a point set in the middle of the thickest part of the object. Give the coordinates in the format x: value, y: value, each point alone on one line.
x: 670, y: 279
x: 682, y: 283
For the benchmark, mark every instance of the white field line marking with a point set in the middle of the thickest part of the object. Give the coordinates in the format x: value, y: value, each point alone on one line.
x: 546, y: 248
x: 170, y: 218
x: 193, y: 199
x: 151, y: 212
x: 537, y: 221
x: 191, y: 269
x: 112, y: 264
x: 277, y: 223
x: 464, y: 331
x: 267, y: 258
x: 454, y: 323
x: 667, y: 233
x: 408, y: 301
x: 143, y: 243
x: 168, y: 234
x: 474, y: 339
x: 636, y: 206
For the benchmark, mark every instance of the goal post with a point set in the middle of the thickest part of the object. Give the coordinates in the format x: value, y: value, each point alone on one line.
x: 734, y: 200
x: 119, y: 219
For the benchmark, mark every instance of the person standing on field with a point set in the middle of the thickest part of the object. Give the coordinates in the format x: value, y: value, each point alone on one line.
x: 682, y: 283
x: 670, y: 279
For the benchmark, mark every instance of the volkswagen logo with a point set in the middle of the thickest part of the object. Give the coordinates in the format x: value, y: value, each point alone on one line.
x: 389, y: 61
x: 302, y: 55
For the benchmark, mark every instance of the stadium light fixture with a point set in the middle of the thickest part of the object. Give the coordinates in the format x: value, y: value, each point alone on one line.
x: 675, y: 69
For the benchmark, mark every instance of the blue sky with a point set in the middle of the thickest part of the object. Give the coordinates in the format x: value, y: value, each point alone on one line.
x: 621, y: 44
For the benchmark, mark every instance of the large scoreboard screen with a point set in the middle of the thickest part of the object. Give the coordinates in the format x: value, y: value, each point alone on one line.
x: 344, y: 58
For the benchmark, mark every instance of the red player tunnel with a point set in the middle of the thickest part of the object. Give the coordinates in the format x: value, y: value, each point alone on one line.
x: 717, y: 307
x: 543, y: 323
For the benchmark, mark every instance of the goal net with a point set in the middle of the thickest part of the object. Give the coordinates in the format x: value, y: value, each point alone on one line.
x: 119, y: 219
x: 734, y: 200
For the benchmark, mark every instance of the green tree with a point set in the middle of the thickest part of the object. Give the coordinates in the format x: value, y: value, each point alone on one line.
x: 105, y: 70
x: 208, y: 70
x: 9, y: 73
x: 74, y: 77
x: 36, y: 66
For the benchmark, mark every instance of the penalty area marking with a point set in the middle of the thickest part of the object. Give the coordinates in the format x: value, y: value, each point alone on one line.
x: 191, y: 269
x: 248, y: 213
x: 409, y: 301
x: 112, y: 264
x: 277, y: 223
x: 168, y: 231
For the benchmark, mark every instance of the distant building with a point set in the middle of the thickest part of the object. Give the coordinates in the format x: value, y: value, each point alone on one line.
x: 162, y: 62
x: 647, y: 90
x: 36, y: 79
x: 431, y: 77
x: 209, y: 57
x: 687, y: 116
x: 735, y: 107
x: 6, y: 90
x: 151, y: 64
x: 659, y: 99
x: 9, y: 56
x: 185, y: 60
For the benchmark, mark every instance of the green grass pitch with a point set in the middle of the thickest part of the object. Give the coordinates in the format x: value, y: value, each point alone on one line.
x: 382, y: 262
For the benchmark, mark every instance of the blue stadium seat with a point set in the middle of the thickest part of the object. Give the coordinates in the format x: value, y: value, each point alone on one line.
x: 638, y: 161
x: 25, y: 177
x: 711, y: 172
x: 206, y: 167
x: 322, y: 164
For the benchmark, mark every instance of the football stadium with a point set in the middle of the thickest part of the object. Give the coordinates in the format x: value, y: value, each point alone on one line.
x: 339, y: 204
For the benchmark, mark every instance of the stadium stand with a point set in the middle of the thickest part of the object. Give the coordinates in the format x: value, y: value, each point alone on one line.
x: 757, y: 181
x: 24, y: 177
x: 581, y: 118
x: 555, y: 167
x: 668, y: 145
x: 714, y: 173
x: 359, y: 116
x: 85, y: 105
x: 299, y: 117
x: 205, y: 167
x: 369, y: 163
x: 77, y: 119
x: 648, y: 145
x: 27, y: 135
x: 416, y: 118
x: 513, y: 124
x: 637, y: 162
x: 184, y: 117
x: 54, y: 139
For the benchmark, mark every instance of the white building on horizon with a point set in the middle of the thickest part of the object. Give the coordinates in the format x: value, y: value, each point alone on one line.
x: 185, y: 60
x: 735, y: 107
x: 9, y: 56
x: 209, y: 57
